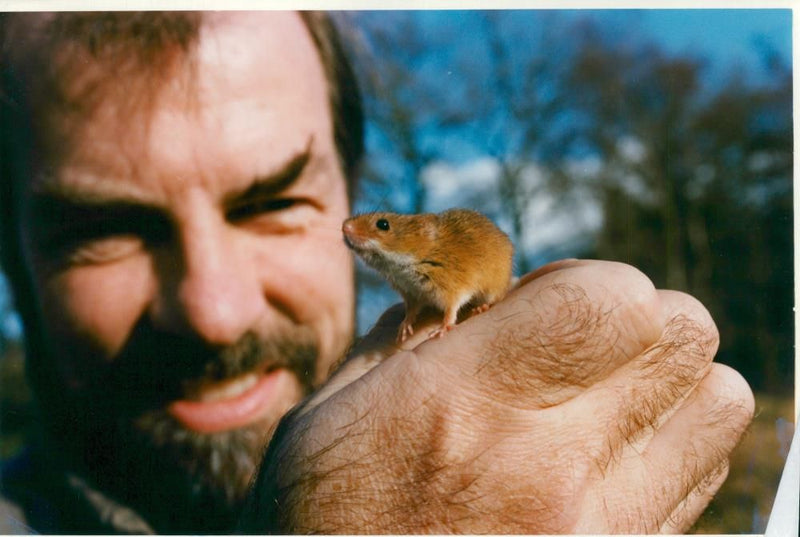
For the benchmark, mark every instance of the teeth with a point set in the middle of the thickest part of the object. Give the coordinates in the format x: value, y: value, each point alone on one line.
x: 227, y: 389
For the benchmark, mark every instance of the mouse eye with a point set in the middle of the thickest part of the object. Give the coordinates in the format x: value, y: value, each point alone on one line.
x: 382, y: 224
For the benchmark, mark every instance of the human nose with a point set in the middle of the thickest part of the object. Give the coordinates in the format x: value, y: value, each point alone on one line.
x: 208, y: 290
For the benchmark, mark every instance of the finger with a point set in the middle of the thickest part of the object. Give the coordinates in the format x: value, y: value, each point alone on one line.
x: 642, y: 393
x: 676, y: 473
x: 379, y: 341
x: 372, y: 349
x: 548, y: 268
x: 556, y: 335
x: 366, y: 353
x: 696, y: 442
x: 689, y: 510
x: 693, y: 447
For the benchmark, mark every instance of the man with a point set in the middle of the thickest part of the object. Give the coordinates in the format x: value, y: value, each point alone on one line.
x: 173, y: 187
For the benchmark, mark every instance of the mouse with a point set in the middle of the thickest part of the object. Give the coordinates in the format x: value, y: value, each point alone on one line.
x: 445, y: 260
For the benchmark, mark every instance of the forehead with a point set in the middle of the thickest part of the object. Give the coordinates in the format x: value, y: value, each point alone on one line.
x: 72, y: 55
x: 253, y: 85
x: 230, y: 51
x: 272, y: 47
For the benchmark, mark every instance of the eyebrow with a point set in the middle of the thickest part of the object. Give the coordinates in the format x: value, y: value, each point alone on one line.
x: 276, y: 181
x: 62, y: 207
x: 54, y: 192
x: 51, y: 197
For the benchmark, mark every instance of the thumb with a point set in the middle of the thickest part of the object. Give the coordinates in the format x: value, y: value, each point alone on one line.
x: 367, y: 352
x: 378, y: 343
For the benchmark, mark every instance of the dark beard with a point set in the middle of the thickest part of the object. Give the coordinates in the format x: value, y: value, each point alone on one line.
x: 188, y: 482
x: 179, y: 480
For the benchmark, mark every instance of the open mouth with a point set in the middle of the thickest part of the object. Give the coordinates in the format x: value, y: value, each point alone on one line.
x: 233, y: 403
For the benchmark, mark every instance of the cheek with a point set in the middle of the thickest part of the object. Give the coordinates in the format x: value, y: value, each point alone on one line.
x: 94, y: 308
x: 312, y: 279
x: 312, y: 274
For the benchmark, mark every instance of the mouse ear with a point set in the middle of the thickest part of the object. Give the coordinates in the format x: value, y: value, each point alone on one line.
x: 431, y: 227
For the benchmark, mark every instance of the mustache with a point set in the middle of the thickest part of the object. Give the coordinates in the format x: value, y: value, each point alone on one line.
x: 156, y: 367
x: 123, y: 413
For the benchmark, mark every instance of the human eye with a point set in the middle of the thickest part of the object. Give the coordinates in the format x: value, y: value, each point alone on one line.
x: 91, y: 236
x: 253, y: 208
x: 102, y: 250
x: 278, y: 214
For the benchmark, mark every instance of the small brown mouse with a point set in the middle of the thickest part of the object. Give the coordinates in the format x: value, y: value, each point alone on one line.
x: 446, y: 260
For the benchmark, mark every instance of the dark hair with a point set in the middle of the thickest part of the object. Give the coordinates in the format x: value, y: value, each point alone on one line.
x: 343, y: 92
x: 141, y: 46
x: 38, y: 49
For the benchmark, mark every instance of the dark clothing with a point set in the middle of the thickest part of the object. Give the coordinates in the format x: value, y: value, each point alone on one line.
x: 39, y: 497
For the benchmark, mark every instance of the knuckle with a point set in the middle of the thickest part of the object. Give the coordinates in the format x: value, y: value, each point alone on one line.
x: 629, y: 298
x: 548, y: 347
x: 686, y: 347
x: 678, y: 305
x: 636, y: 285
x: 562, y: 332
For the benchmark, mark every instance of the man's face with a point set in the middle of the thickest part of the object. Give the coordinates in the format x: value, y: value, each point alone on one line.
x: 186, y: 255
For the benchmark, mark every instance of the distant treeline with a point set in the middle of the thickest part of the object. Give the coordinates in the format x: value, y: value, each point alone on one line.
x: 694, y: 177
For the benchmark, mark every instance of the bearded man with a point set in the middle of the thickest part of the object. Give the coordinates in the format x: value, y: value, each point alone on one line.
x: 172, y: 187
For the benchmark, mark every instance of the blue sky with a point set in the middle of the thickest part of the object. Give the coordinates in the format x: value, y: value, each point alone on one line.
x: 724, y: 39
x: 727, y: 35
x: 723, y: 36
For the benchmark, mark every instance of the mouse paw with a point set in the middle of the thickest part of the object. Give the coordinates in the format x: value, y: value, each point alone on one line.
x: 406, y: 331
x: 477, y: 310
x: 441, y: 331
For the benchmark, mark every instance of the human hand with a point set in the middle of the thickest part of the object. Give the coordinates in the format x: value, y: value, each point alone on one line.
x: 585, y: 402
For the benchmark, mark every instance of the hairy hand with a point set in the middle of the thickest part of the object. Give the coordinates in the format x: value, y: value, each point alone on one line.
x: 586, y: 401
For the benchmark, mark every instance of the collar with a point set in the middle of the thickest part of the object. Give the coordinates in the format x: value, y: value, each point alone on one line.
x: 57, y: 500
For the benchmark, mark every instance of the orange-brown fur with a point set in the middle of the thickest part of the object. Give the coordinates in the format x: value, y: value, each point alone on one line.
x: 445, y: 260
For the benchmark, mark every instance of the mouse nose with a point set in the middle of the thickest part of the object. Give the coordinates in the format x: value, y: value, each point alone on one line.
x: 349, y: 234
